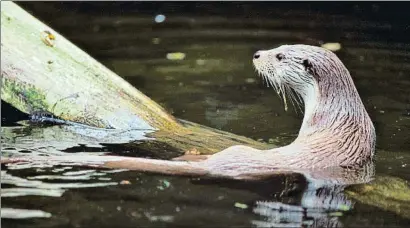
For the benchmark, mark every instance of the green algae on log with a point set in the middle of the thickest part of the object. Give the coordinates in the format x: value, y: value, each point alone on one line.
x: 26, y: 98
x: 43, y: 71
x: 386, y: 192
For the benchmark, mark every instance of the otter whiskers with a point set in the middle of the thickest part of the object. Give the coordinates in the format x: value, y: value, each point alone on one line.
x: 282, y: 90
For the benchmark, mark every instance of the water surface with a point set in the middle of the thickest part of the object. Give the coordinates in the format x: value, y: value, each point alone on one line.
x: 211, y: 82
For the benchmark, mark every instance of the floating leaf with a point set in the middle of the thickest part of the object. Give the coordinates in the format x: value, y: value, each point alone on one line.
x: 125, y: 182
x: 176, y: 56
x: 332, y: 46
x: 160, y: 18
x: 164, y: 184
x: 241, y: 205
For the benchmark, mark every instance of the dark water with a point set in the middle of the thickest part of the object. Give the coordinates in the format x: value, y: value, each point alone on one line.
x: 215, y: 85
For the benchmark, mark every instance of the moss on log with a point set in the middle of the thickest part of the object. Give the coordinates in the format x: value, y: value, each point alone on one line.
x: 389, y: 193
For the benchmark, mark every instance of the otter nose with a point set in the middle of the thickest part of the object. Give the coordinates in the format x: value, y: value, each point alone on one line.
x: 256, y: 55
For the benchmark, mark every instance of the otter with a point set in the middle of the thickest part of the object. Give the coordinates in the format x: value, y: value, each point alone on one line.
x: 336, y: 130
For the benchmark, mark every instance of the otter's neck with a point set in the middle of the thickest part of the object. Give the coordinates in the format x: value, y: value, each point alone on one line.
x: 332, y: 101
x: 336, y: 117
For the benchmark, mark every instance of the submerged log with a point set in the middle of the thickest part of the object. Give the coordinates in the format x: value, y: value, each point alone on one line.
x: 386, y: 192
x: 43, y: 71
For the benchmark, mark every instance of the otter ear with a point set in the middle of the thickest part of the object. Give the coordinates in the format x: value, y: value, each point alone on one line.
x: 307, y: 64
x: 310, y: 68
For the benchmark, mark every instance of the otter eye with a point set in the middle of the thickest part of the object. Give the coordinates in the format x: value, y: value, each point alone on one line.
x: 307, y: 64
x: 280, y: 56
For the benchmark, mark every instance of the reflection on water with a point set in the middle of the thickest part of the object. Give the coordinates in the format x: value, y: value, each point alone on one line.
x: 199, y: 68
x: 23, y: 213
x: 56, y: 138
x: 34, y: 187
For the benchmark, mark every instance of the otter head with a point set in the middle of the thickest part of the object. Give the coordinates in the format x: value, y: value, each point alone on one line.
x: 296, y: 67
x: 314, y: 73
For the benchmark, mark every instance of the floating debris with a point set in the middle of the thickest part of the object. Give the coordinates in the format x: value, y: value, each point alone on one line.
x: 332, y: 46
x: 125, y: 182
x: 241, y: 205
x: 176, y: 56
x: 164, y: 184
x: 160, y: 18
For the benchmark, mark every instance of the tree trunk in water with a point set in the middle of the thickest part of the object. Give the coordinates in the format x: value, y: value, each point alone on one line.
x: 42, y: 71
